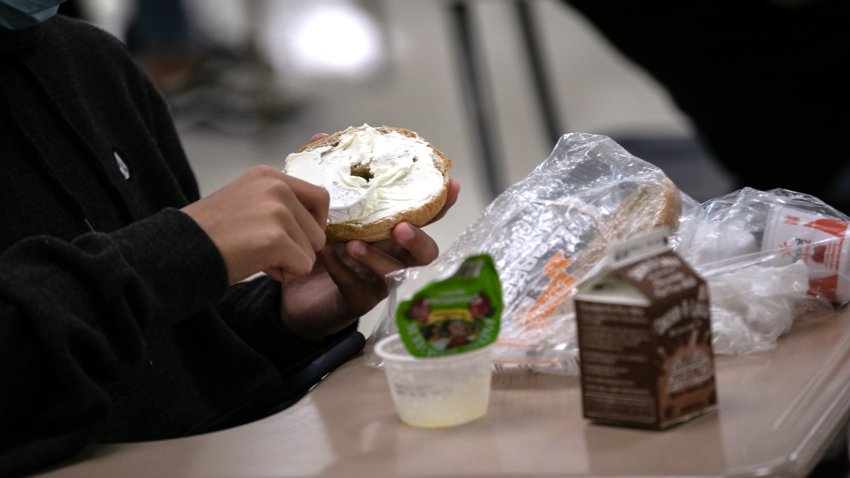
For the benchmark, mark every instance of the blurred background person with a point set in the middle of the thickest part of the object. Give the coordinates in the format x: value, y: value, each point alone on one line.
x: 160, y: 36
x: 210, y: 78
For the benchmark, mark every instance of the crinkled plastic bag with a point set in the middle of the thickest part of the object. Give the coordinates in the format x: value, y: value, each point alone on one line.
x: 768, y: 257
x: 551, y: 230
x: 546, y: 233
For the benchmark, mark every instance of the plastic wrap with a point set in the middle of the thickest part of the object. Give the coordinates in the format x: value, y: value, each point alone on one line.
x: 546, y: 233
x: 767, y: 256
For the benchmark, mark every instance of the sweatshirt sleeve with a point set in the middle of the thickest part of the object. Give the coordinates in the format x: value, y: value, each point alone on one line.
x: 74, y: 315
x: 252, y: 310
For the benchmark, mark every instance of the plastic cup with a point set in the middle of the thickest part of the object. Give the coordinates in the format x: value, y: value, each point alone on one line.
x: 436, y: 392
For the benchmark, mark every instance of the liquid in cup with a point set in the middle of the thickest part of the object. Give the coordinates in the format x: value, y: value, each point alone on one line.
x: 436, y: 392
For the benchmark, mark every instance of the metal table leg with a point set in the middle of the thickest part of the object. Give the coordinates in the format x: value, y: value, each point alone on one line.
x: 482, y: 115
x: 479, y: 105
x: 542, y: 88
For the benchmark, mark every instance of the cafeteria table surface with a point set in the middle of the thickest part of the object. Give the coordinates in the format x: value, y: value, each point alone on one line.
x: 778, y: 412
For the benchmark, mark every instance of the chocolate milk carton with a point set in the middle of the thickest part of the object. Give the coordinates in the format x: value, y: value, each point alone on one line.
x: 644, y: 334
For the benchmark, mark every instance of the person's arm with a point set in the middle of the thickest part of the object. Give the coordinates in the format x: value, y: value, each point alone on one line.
x: 252, y: 310
x: 73, y: 315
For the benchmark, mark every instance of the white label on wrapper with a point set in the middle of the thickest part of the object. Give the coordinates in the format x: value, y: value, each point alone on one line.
x: 820, y: 242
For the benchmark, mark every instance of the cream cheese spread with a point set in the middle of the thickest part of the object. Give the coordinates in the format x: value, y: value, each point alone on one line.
x: 369, y: 174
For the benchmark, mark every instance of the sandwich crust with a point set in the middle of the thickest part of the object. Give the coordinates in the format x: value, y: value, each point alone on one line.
x: 381, y: 228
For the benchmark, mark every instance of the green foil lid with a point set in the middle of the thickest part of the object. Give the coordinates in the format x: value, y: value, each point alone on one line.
x: 455, y: 314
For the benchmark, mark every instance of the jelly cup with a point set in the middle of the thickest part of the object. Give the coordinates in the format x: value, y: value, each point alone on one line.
x: 440, y: 391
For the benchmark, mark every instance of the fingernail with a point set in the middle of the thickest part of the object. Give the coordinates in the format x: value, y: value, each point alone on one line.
x: 357, y: 248
x: 405, y: 232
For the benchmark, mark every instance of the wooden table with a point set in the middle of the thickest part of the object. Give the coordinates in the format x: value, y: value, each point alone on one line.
x: 778, y: 412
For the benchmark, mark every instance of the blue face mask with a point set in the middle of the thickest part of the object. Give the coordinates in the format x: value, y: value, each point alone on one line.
x: 17, y: 14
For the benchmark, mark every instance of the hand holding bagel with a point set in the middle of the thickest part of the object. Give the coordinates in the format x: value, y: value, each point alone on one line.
x: 331, y: 264
x: 348, y: 279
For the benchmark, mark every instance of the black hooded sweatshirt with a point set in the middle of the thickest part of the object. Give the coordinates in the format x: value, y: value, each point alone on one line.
x: 116, y: 320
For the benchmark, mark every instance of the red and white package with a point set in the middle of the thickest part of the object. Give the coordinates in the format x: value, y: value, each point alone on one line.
x: 820, y: 242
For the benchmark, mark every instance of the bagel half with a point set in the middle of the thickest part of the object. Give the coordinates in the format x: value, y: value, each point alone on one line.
x: 377, y: 177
